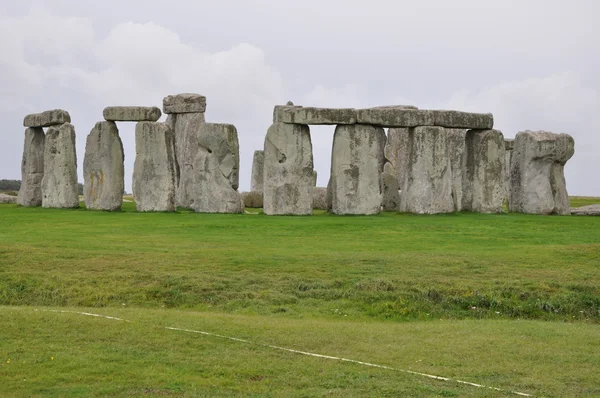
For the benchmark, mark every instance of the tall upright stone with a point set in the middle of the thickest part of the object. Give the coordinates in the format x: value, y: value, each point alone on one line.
x: 59, y: 184
x: 187, y: 131
x: 484, y: 178
x: 288, y: 170
x: 216, y: 170
x: 357, y: 161
x: 32, y: 168
x: 427, y: 187
x: 537, y: 181
x: 258, y: 165
x: 154, y: 173
x: 391, y: 193
x: 456, y: 151
x: 103, y: 169
x: 509, y: 146
x: 397, y: 152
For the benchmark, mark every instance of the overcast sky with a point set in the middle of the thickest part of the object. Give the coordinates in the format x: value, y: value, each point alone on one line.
x: 533, y: 64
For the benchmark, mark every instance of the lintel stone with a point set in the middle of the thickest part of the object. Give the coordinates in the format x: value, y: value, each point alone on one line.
x: 53, y: 117
x: 184, y: 103
x: 131, y: 114
x: 311, y: 115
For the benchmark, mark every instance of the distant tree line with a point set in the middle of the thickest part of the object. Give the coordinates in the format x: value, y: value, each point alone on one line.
x: 15, y: 185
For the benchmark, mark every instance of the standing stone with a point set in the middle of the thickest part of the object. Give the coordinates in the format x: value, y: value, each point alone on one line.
x: 357, y: 161
x: 32, y: 168
x: 427, y: 188
x: 456, y: 151
x: 484, y: 178
x: 187, y: 131
x: 258, y: 163
x: 103, y: 170
x: 59, y: 185
x: 509, y: 146
x: 397, y: 152
x: 537, y: 181
x: 320, y: 198
x: 154, y: 173
x: 391, y: 194
x: 216, y: 170
x: 288, y: 170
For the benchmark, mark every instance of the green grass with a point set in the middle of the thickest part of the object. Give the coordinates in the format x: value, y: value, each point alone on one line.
x: 508, y: 300
x: 579, y: 201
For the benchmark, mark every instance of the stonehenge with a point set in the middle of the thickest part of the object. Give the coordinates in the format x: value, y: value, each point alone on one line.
x: 537, y: 181
x: 428, y: 162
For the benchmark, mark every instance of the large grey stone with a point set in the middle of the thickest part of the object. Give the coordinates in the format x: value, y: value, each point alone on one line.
x: 484, y: 178
x: 154, y: 174
x: 310, y: 115
x: 456, y: 151
x: 463, y: 120
x: 509, y: 146
x: 427, y: 188
x: 591, y: 210
x: 187, y: 130
x: 184, y: 103
x: 288, y: 170
x: 59, y: 184
x: 320, y: 198
x: 397, y: 152
x: 216, y: 170
x: 258, y: 163
x: 252, y: 199
x: 131, y: 114
x: 32, y: 168
x: 7, y: 199
x: 391, y: 194
x: 397, y: 116
x: 537, y: 181
x: 55, y: 117
x: 357, y: 161
x: 103, y: 170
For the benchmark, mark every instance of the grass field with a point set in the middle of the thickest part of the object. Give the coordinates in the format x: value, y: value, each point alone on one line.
x: 510, y: 301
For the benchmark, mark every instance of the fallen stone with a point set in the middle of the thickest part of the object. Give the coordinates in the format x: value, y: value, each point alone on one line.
x: 391, y: 193
x: 184, y: 103
x: 187, y: 130
x: 216, y: 170
x: 395, y: 117
x: 131, y: 114
x: 484, y: 178
x: 103, y: 169
x: 154, y: 174
x: 32, y: 168
x: 427, y: 187
x: 59, y: 184
x: 252, y: 199
x: 258, y: 163
x: 288, y: 170
x: 591, y: 210
x: 54, y: 117
x: 463, y: 120
x: 456, y: 151
x: 7, y: 199
x: 537, y: 181
x: 357, y: 162
x: 397, y: 152
x: 308, y: 115
x: 320, y: 198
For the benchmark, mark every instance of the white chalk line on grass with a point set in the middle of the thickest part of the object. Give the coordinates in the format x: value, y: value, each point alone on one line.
x: 311, y: 354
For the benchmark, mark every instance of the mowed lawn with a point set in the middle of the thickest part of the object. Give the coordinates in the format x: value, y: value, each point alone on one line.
x: 510, y: 301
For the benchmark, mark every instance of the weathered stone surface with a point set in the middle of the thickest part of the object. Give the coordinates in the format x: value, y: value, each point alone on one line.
x: 357, y: 161
x: 463, y: 120
x: 187, y: 127
x: 32, y: 168
x: 131, y: 114
x: 288, y: 170
x: 252, y: 199
x: 7, y: 199
x: 59, y: 184
x: 509, y: 146
x: 427, y: 188
x: 395, y: 117
x: 154, y: 173
x: 184, y: 103
x: 391, y: 194
x: 103, y: 169
x: 54, y: 117
x: 320, y: 198
x: 457, y: 154
x: 395, y: 107
x: 484, y: 178
x: 397, y: 152
x: 309, y: 115
x: 258, y: 163
x: 591, y: 210
x: 216, y: 170
x: 537, y: 181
